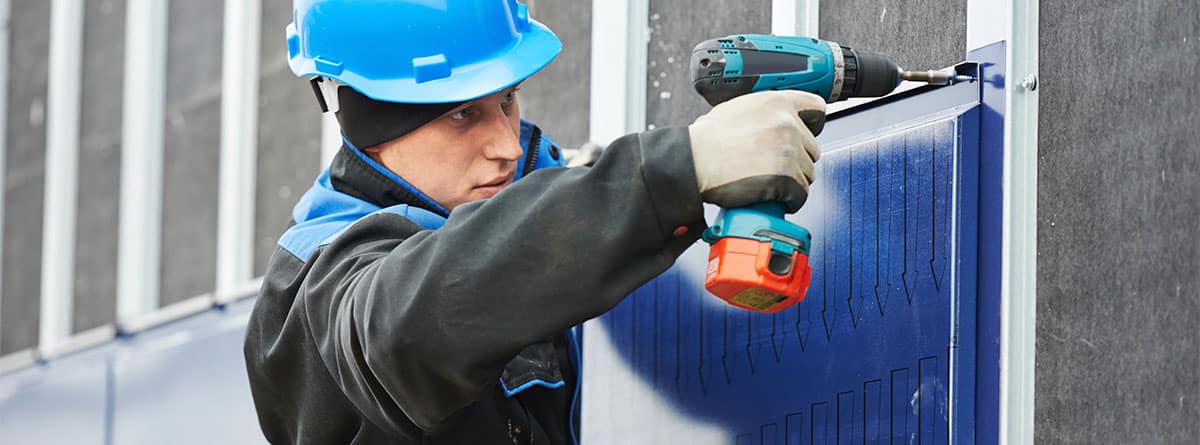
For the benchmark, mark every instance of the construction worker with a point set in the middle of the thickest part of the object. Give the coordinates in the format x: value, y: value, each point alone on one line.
x: 427, y: 288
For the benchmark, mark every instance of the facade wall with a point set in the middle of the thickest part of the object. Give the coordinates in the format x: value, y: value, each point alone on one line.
x: 557, y: 98
x: 100, y: 164
x: 920, y: 35
x: 24, y: 174
x: 191, y: 149
x: 1118, y: 343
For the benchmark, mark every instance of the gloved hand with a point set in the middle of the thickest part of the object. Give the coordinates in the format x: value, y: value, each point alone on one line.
x: 758, y: 147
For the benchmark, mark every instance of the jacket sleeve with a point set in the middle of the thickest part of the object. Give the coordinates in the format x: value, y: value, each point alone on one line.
x: 415, y: 329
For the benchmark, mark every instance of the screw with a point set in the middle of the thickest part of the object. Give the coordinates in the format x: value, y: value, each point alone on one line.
x: 1029, y: 83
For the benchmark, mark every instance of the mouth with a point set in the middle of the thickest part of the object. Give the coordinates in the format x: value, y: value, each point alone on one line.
x: 495, y: 185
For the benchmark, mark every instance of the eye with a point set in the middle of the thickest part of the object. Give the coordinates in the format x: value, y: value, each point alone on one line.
x: 463, y: 114
x: 509, y: 98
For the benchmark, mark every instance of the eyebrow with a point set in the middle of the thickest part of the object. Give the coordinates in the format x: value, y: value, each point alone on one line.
x: 511, y: 89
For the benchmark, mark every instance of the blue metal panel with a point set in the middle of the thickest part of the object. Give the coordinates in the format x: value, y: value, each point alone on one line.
x: 867, y: 356
x: 991, y: 198
x: 62, y: 402
x: 186, y: 383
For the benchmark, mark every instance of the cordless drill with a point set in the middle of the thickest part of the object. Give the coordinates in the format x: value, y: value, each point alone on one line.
x: 758, y: 260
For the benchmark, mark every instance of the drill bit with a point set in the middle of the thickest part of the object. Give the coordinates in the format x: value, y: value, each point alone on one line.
x: 936, y: 77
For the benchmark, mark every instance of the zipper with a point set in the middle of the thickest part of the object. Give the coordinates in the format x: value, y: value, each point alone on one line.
x: 531, y: 154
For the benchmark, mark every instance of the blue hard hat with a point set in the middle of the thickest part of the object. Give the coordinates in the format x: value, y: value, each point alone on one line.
x: 419, y: 51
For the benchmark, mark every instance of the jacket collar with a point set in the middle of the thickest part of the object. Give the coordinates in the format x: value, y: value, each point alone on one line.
x: 354, y: 173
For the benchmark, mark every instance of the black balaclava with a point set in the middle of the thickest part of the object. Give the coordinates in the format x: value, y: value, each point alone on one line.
x: 367, y: 122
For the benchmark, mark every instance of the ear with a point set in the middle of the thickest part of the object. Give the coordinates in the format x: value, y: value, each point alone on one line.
x: 373, y: 150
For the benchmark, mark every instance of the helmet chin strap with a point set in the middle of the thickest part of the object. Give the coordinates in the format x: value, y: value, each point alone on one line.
x: 326, y: 91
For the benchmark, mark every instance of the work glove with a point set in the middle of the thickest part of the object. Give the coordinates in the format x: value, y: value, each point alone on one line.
x: 758, y: 147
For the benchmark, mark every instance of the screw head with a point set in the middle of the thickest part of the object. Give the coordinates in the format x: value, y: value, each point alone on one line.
x: 1029, y: 83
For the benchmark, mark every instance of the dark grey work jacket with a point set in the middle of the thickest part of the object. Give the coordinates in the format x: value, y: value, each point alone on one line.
x: 384, y: 319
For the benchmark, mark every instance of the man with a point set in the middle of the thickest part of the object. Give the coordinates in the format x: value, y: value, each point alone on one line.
x: 424, y: 294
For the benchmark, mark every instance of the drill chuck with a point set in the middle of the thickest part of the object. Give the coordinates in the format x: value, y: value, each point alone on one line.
x: 873, y: 75
x: 936, y: 77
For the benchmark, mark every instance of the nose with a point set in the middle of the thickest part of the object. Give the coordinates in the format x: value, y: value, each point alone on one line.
x: 503, y: 143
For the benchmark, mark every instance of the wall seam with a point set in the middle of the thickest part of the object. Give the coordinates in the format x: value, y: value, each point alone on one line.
x: 5, y: 18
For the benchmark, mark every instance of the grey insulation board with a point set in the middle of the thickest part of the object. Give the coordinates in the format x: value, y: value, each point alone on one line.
x: 24, y: 173
x: 289, y: 135
x: 920, y: 34
x: 558, y: 97
x: 676, y: 26
x: 100, y: 164
x: 1118, y: 284
x: 192, y: 149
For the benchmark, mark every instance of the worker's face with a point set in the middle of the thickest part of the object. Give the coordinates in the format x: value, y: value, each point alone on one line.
x: 467, y: 154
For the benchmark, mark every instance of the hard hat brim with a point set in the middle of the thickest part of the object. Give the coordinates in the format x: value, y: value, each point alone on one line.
x: 535, y: 49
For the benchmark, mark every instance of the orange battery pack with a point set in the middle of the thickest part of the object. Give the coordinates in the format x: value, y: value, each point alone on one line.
x: 744, y: 272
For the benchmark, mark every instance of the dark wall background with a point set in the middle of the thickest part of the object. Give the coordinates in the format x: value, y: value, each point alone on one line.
x: 289, y: 135
x: 557, y: 98
x: 99, y: 164
x: 24, y: 175
x: 917, y: 35
x: 192, y: 149
x: 1118, y: 329
x: 675, y: 28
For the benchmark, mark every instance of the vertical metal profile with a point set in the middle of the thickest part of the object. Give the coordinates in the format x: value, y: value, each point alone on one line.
x: 331, y: 139
x: 5, y: 13
x: 239, y: 145
x: 618, y: 83
x: 617, y: 106
x: 62, y: 171
x: 140, y: 231
x: 1016, y: 23
x: 795, y: 17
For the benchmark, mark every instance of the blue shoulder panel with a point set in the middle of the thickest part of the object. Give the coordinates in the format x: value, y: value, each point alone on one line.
x: 324, y: 213
x: 321, y: 212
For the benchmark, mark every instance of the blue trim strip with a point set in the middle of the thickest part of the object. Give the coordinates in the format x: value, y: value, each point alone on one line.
x: 394, y: 177
x: 576, y: 359
x: 530, y: 384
